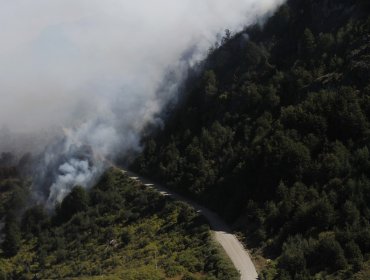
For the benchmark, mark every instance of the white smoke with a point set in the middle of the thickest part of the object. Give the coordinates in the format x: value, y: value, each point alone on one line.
x: 73, y: 172
x: 96, y: 66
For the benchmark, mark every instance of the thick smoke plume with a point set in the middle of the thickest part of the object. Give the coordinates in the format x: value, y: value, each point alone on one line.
x: 95, y: 68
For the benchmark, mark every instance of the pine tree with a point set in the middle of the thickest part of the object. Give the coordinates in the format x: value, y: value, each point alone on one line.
x: 12, y: 240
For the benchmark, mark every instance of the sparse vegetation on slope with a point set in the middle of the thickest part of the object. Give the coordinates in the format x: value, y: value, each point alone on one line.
x: 118, y: 230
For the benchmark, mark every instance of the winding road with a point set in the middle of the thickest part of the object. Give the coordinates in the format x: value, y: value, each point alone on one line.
x: 222, y: 233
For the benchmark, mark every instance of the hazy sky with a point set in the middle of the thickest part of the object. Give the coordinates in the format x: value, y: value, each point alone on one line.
x: 73, y: 59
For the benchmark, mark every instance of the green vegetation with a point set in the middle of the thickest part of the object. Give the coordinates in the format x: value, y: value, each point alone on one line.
x: 274, y: 135
x: 118, y: 230
x: 13, y: 195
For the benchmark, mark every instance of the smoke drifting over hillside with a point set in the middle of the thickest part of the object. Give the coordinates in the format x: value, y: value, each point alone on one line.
x: 95, y: 67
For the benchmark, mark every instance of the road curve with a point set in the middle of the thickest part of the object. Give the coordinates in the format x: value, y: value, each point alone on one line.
x: 222, y: 233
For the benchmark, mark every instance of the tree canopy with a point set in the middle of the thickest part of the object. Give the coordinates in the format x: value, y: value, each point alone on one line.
x: 273, y: 133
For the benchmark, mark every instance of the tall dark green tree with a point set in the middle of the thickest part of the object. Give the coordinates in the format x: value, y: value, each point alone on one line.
x: 12, y: 240
x: 76, y: 201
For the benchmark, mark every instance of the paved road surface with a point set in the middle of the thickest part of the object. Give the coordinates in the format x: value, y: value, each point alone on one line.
x: 233, y: 248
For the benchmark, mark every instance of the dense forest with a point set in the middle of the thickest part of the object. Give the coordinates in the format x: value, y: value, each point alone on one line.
x: 274, y: 134
x: 118, y: 230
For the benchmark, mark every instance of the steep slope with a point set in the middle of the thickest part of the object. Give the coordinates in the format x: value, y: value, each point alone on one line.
x: 222, y: 233
x: 274, y: 136
x: 118, y: 230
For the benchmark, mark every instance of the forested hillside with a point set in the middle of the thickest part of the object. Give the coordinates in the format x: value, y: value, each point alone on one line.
x: 118, y: 230
x: 274, y: 134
